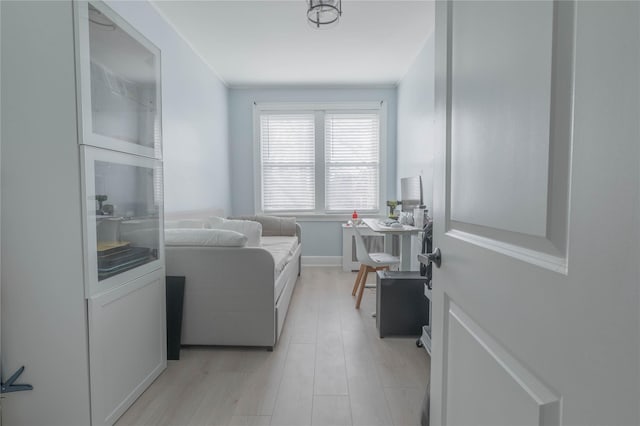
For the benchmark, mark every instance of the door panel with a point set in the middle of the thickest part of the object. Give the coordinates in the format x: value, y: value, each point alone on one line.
x: 1, y: 369
x: 500, y: 97
x: 488, y: 386
x: 510, y: 127
x: 537, y: 324
x: 127, y: 344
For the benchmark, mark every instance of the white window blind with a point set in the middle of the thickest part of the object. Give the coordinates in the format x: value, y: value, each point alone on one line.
x: 352, y: 162
x: 287, y: 146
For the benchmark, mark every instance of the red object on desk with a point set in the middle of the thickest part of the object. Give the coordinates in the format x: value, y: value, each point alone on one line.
x: 354, y: 216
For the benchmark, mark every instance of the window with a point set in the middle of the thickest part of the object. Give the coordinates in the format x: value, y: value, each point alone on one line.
x: 352, y: 161
x: 319, y: 159
x: 288, y: 162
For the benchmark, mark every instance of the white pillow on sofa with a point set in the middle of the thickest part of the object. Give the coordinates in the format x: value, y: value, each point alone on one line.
x: 214, y: 220
x: 186, y: 223
x: 204, y: 237
x: 253, y: 230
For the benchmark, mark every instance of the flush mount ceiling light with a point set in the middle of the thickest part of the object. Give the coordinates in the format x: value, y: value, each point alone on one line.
x: 324, y: 13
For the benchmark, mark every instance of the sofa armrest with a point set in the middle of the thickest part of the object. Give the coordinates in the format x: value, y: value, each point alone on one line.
x: 229, y: 294
x: 227, y: 273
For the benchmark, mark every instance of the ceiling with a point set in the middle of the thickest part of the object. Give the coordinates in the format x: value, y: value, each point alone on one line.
x: 268, y: 42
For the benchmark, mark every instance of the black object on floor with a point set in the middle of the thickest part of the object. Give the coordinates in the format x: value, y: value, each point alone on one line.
x: 401, y: 308
x: 175, y: 299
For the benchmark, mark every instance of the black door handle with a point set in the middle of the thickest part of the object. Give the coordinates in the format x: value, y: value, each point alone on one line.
x: 427, y: 258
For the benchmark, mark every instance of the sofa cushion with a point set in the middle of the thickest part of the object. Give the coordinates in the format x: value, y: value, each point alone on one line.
x: 204, y: 237
x: 253, y: 230
x: 186, y: 223
x: 276, y: 244
x: 282, y: 250
x: 274, y: 225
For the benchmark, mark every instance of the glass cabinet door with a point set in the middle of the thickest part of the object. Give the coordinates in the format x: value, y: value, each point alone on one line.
x: 119, y: 83
x: 123, y: 229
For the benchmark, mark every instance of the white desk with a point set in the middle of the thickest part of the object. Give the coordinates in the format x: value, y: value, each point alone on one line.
x: 405, y: 239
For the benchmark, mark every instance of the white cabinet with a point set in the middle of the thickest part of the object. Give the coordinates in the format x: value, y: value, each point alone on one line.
x: 127, y: 344
x: 124, y: 277
x: 81, y: 169
x: 118, y: 82
x: 119, y: 126
x: 122, y: 204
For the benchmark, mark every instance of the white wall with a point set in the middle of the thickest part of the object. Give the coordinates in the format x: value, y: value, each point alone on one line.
x: 194, y: 117
x: 415, y: 121
x: 320, y: 238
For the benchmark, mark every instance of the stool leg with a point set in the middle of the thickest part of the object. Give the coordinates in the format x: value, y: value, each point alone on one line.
x: 362, y: 284
x: 355, y: 285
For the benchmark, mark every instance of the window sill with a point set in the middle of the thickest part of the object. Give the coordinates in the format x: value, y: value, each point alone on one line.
x: 311, y: 217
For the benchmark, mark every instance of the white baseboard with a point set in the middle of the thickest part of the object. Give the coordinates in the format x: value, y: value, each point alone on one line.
x: 322, y: 261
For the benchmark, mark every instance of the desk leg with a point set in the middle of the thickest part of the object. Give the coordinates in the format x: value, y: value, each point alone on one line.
x: 388, y: 243
x: 405, y: 252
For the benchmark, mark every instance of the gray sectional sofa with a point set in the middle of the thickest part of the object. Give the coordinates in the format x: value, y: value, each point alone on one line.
x: 235, y: 295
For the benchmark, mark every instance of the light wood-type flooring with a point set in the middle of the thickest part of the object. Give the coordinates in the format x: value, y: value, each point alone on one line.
x: 329, y: 368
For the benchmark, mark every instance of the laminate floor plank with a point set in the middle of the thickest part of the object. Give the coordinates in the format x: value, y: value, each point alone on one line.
x: 405, y: 404
x: 368, y: 403
x: 331, y: 410
x: 250, y: 421
x: 294, y: 403
x: 259, y: 393
x: 328, y: 368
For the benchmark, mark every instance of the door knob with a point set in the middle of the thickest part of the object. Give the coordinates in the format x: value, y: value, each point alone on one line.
x: 427, y: 258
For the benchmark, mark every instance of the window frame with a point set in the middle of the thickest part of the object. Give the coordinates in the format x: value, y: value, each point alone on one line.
x: 320, y: 110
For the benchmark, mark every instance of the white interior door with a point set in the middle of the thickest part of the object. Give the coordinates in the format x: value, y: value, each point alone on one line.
x: 536, y: 304
x: 0, y: 221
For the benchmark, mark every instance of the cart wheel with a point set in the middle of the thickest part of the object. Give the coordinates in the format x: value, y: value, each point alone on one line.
x: 419, y: 343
